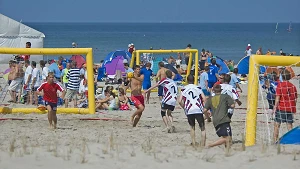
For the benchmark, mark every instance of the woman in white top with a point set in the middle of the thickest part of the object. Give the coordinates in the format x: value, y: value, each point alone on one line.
x: 248, y: 50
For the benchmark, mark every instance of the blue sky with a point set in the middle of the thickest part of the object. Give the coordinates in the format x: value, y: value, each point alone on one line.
x: 152, y: 10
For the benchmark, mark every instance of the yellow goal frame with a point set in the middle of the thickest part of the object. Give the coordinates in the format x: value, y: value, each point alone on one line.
x: 252, y: 99
x: 136, y: 56
x: 58, y: 51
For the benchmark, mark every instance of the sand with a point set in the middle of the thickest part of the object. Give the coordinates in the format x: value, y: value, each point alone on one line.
x: 115, y: 144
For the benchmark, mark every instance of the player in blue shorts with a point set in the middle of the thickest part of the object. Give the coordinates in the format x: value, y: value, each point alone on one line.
x: 147, y: 72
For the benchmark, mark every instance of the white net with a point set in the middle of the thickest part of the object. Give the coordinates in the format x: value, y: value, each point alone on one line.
x: 281, y: 83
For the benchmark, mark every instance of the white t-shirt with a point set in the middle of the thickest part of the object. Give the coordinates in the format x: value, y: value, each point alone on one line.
x: 170, y: 91
x: 28, y: 72
x: 36, y: 74
x: 249, y: 52
x: 193, y: 102
x: 229, y: 90
x: 45, y: 73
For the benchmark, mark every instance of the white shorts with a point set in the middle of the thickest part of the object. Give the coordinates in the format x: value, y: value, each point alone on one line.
x: 15, y: 84
x: 230, y: 111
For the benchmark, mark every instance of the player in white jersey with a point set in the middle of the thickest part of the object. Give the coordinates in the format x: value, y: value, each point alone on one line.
x: 169, y: 99
x: 192, y: 100
x: 230, y: 91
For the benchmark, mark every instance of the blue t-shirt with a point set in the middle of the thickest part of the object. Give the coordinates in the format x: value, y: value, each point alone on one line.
x: 271, y: 90
x: 213, y: 70
x: 129, y: 70
x: 203, y: 79
x: 147, y: 75
x: 233, y: 80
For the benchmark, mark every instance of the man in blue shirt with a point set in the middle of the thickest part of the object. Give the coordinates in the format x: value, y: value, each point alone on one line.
x: 147, y: 72
x: 212, y: 74
x: 204, y: 81
x: 127, y: 68
x: 234, y: 82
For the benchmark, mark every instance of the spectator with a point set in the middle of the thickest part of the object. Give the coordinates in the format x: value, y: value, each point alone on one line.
x: 64, y: 73
x: 234, y: 82
x: 204, y: 81
x: 147, y: 72
x: 248, y: 51
x: 73, y: 77
x: 127, y: 68
x: 45, y: 71
x: 35, y: 83
x: 212, y: 74
x: 27, y: 80
x: 187, y: 54
x: 16, y: 75
x: 285, y: 103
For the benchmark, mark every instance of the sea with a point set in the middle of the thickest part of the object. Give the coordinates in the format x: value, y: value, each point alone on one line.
x: 225, y: 40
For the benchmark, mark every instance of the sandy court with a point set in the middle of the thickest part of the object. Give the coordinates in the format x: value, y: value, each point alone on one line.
x: 115, y: 144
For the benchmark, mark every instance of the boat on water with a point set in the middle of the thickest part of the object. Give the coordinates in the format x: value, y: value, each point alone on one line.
x: 290, y: 28
x: 276, y: 29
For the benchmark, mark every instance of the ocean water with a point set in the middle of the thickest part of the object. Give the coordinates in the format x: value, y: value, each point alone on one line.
x: 226, y: 40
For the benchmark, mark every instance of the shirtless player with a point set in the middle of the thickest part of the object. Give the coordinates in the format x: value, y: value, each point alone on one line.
x: 135, y: 84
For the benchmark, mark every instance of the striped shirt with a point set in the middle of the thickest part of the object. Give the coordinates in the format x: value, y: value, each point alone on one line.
x: 74, y: 79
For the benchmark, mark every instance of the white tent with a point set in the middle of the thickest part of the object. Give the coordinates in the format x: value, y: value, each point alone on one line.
x: 14, y: 34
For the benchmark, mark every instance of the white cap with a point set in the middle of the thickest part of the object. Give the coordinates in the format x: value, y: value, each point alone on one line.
x: 129, y: 45
x: 132, y: 44
x: 125, y: 61
x: 249, y: 44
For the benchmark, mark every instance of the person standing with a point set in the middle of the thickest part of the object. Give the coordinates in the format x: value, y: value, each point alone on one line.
x: 234, y: 82
x: 204, y: 82
x: 35, y: 83
x: 16, y: 76
x: 212, y: 74
x: 49, y: 94
x: 73, y: 77
x: 64, y: 73
x: 248, y: 51
x: 45, y: 71
x: 192, y: 101
x: 285, y: 103
x: 147, y: 72
x: 27, y: 80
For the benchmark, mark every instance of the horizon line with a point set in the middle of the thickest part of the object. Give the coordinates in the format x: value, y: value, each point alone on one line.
x: 161, y: 22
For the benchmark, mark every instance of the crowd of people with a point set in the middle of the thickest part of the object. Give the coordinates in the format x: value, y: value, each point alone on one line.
x: 215, y: 96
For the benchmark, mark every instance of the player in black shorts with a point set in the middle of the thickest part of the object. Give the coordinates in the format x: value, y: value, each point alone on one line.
x: 220, y: 103
x: 191, y: 100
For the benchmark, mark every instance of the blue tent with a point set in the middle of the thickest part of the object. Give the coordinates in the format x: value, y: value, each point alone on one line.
x: 224, y: 66
x: 291, y: 137
x: 114, y: 54
x: 243, y: 66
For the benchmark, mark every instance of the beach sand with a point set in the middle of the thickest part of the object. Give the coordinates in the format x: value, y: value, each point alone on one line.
x: 114, y: 143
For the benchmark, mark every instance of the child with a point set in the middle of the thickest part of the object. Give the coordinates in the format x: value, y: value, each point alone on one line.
x: 50, y: 96
x: 123, y: 100
x: 82, y: 86
x: 219, y: 105
x: 271, y: 84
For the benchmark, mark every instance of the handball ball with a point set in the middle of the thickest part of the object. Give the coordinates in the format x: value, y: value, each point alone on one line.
x: 130, y: 75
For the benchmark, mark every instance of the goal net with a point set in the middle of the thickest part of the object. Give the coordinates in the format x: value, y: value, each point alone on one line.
x: 271, y: 77
x: 180, y: 61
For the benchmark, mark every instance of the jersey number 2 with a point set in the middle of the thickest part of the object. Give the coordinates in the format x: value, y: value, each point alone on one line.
x: 191, y: 93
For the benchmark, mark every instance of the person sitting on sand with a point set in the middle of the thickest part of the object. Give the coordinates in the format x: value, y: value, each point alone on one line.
x: 49, y: 94
x: 192, y: 101
x: 104, y: 104
x: 220, y: 103
x: 169, y: 99
x: 123, y: 100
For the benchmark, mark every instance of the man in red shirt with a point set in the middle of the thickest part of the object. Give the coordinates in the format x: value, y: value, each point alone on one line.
x: 26, y: 56
x: 221, y: 80
x: 50, y: 97
x: 285, y: 103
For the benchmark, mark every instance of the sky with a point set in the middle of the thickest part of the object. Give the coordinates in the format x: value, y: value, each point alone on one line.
x: 207, y: 11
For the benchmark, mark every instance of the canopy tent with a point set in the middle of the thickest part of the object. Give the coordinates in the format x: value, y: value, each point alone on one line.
x: 243, y: 66
x: 14, y: 34
x: 222, y: 63
x: 80, y: 60
x: 114, y: 61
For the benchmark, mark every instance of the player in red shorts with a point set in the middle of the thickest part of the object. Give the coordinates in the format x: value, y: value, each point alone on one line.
x: 50, y: 97
x: 135, y: 84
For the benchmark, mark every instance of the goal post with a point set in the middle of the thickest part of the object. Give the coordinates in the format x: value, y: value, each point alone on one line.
x: 136, y: 57
x: 58, y: 51
x: 252, y: 99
